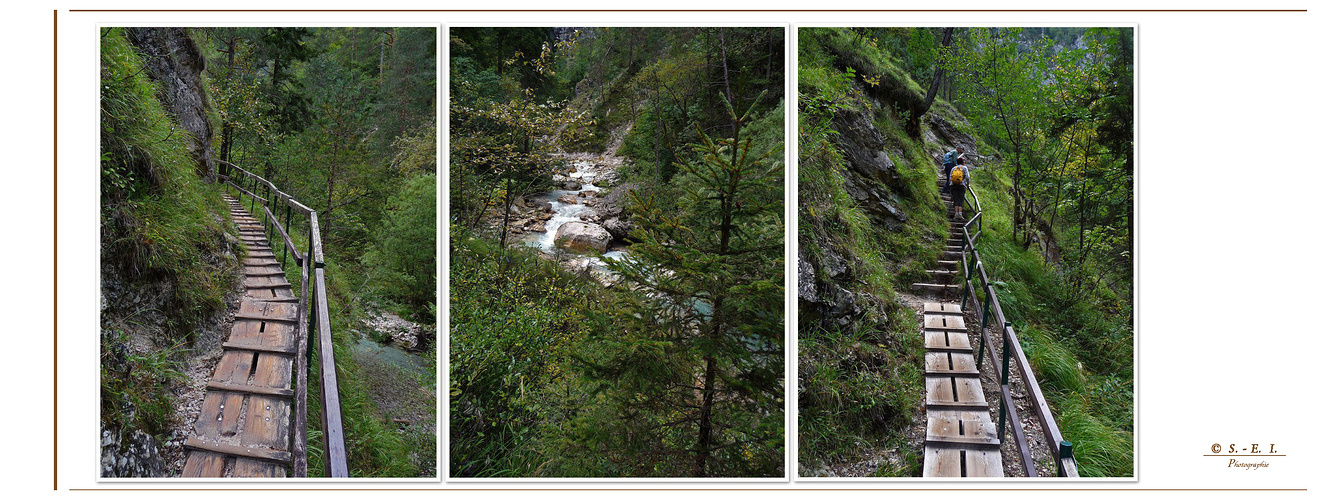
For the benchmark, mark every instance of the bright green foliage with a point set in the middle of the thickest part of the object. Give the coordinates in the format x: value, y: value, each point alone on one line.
x: 404, y: 256
x: 1078, y: 340
x: 859, y: 389
x: 848, y: 407
x: 553, y: 376
x: 318, y: 112
x: 374, y: 448
x: 514, y: 328
x: 135, y: 386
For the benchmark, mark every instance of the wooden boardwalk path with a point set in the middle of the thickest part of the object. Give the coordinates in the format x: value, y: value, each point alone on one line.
x: 245, y: 425
x: 962, y: 440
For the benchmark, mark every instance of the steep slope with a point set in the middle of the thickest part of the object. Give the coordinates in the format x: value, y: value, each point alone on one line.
x: 168, y: 256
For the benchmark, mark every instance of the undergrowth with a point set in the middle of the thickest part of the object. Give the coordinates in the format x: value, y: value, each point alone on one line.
x: 1079, y: 342
x: 162, y: 228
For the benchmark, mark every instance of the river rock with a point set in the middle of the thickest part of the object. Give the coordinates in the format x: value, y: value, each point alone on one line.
x: 569, y: 198
x: 582, y: 237
x: 571, y: 185
x: 588, y: 194
x: 619, y: 229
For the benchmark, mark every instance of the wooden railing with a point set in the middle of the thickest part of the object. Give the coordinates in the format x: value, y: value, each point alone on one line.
x: 990, y: 310
x: 313, y: 314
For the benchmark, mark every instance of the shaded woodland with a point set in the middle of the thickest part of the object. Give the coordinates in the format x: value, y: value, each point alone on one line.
x: 658, y: 350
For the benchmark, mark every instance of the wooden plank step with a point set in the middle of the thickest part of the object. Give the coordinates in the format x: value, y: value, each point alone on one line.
x: 258, y: 453
x: 249, y: 389
x: 935, y: 286
x: 946, y: 341
x: 950, y: 349
x: 267, y: 285
x: 941, y: 308
x: 949, y: 361
x: 954, y: 391
x: 962, y: 427
x: 276, y: 299
x: 941, y: 461
x: 949, y: 263
x: 941, y: 272
x: 204, y: 464
x: 262, y: 273
x: 957, y: 405
x: 963, y: 442
x: 262, y: 317
x: 289, y: 350
x: 935, y: 321
x: 950, y: 373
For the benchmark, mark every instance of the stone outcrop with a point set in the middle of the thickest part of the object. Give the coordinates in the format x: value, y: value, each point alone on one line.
x: 172, y: 59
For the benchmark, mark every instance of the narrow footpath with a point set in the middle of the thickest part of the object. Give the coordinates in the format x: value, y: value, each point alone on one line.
x: 244, y: 429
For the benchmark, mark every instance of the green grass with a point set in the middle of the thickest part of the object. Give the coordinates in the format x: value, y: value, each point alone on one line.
x: 134, y: 385
x: 516, y: 319
x: 159, y: 220
x: 857, y: 390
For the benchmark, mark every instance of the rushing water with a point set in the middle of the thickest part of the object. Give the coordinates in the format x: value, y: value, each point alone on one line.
x: 585, y: 174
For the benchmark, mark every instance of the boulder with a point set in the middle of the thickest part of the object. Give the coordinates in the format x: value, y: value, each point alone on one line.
x: 582, y: 237
x: 619, y: 229
x: 569, y: 198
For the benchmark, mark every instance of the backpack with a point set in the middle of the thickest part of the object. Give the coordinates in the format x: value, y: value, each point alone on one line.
x: 957, y: 175
x: 950, y: 158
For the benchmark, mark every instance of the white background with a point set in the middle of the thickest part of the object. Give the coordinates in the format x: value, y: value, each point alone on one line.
x: 1237, y: 280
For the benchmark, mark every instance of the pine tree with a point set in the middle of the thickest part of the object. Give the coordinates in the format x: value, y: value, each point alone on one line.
x: 703, y: 351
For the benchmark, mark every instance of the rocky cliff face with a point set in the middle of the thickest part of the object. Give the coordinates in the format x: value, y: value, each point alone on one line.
x: 871, y: 179
x: 173, y: 60
x: 829, y: 287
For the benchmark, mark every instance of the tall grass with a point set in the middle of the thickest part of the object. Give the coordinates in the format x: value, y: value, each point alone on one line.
x: 160, y: 226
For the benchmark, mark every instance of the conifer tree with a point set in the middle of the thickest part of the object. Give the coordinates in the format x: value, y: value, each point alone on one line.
x: 705, y: 352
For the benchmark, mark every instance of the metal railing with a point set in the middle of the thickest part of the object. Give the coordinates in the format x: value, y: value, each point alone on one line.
x: 973, y: 265
x: 313, y: 315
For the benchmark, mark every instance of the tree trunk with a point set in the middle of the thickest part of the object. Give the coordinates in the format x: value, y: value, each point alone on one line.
x: 727, y: 81
x: 937, y: 79
x: 705, y: 440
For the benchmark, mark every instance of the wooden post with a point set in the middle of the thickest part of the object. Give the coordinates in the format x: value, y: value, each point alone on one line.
x: 1005, y: 384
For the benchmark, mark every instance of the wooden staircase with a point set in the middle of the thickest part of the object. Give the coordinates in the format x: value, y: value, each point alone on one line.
x: 244, y: 427
x: 962, y: 440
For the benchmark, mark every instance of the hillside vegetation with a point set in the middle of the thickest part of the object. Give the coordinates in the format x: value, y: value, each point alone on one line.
x: 1045, y: 116
x: 665, y: 357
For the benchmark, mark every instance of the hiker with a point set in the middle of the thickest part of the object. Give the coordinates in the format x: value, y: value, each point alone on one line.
x: 957, y: 179
x: 949, y: 161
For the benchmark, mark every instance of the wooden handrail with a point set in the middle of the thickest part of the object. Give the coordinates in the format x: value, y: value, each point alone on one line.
x: 990, y: 308
x: 314, y: 317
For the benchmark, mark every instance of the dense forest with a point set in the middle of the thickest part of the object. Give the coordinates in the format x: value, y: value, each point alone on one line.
x: 1045, y: 116
x: 616, y: 252
x: 342, y: 119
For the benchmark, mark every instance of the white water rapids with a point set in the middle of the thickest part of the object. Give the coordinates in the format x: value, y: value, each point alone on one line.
x: 585, y: 173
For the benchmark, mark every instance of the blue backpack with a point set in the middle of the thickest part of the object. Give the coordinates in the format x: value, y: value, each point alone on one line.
x: 950, y: 158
